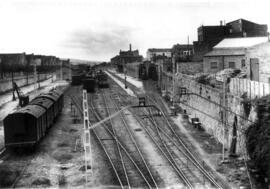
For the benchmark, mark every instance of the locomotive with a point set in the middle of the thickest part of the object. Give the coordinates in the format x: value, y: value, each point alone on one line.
x: 25, y: 127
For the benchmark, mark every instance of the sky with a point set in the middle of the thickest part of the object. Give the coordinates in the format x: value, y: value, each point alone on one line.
x: 97, y: 29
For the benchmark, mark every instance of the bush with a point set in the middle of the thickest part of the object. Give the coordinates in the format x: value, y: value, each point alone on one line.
x: 258, y: 140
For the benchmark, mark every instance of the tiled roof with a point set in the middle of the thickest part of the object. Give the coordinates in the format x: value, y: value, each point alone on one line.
x: 243, y: 42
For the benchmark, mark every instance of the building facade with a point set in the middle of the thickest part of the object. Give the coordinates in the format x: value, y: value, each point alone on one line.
x: 182, y: 52
x: 209, y: 36
x: 126, y: 57
x: 152, y: 53
x: 249, y: 54
x: 245, y: 28
x: 13, y: 62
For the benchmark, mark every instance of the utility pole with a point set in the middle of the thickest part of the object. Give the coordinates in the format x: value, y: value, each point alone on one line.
x: 125, y: 72
x: 61, y: 70
x: 69, y: 70
x: 188, y: 48
x: 173, y: 78
x: 224, y: 116
x: 12, y: 79
x: 35, y: 76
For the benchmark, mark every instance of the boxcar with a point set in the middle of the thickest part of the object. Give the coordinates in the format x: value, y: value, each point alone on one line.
x: 60, y: 101
x: 77, y: 79
x: 25, y: 127
x: 47, y: 104
x: 89, y: 85
x: 55, y: 98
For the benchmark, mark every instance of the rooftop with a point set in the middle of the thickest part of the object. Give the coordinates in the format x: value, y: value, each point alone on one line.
x: 226, y: 52
x: 160, y: 50
x: 243, y: 42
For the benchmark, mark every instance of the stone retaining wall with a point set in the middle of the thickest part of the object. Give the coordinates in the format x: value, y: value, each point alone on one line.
x: 206, y: 103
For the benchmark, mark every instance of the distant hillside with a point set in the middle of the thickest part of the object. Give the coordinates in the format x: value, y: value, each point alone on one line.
x: 77, y: 61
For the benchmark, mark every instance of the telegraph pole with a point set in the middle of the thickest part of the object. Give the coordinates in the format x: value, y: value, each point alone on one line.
x: 69, y: 70
x: 173, y: 77
x: 12, y: 79
x: 61, y: 70
x: 224, y: 104
x: 35, y: 76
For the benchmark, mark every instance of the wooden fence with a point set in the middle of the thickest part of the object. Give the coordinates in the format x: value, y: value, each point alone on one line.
x: 253, y: 89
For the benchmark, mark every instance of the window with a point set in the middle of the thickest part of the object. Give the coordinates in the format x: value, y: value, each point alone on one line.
x: 213, y: 65
x: 232, y: 65
x: 243, y: 63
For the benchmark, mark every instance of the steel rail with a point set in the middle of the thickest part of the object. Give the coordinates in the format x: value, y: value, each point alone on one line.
x: 117, y: 144
x: 186, y: 180
x: 135, y: 143
x: 122, y: 147
x: 205, y: 172
x: 100, y: 142
x: 160, y: 129
x: 179, y: 172
x: 163, y: 141
x: 190, y: 154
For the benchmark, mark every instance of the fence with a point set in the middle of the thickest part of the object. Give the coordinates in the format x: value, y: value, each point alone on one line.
x: 253, y: 89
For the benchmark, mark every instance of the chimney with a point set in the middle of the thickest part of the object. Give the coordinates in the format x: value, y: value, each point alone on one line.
x: 220, y: 22
x: 130, y: 47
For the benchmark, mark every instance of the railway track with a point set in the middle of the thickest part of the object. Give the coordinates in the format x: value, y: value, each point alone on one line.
x: 78, y: 101
x: 170, y: 134
x: 164, y: 149
x: 179, y: 152
x: 142, y: 168
x: 130, y: 146
x: 105, y: 137
x: 192, y: 171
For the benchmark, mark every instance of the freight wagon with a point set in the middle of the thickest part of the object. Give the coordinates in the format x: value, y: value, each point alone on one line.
x: 89, y: 85
x: 28, y: 125
x: 77, y: 79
